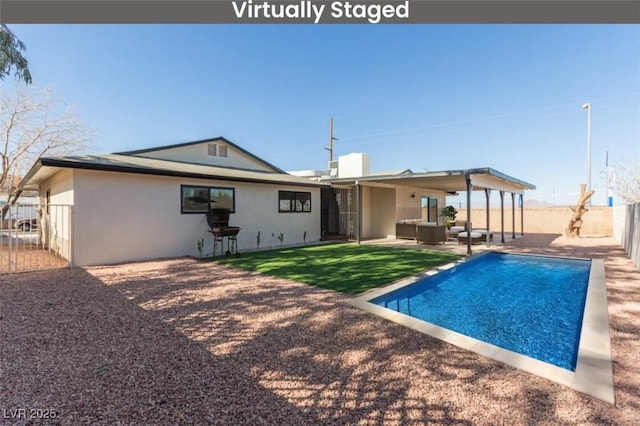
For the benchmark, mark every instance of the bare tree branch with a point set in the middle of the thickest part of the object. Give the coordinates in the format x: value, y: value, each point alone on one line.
x: 628, y: 181
x: 32, y: 124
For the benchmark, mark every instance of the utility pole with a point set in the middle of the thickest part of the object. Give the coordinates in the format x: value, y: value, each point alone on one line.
x: 608, y: 172
x: 331, y: 139
x: 587, y: 106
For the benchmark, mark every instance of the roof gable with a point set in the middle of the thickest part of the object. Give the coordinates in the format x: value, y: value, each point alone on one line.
x: 219, y: 152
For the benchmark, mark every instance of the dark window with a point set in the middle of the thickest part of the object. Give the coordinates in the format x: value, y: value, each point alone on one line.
x: 223, y: 198
x: 433, y: 210
x: 430, y: 208
x: 199, y: 199
x: 289, y: 201
x: 284, y: 201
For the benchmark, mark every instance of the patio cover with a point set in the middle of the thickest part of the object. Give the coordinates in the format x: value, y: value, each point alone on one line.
x: 450, y: 181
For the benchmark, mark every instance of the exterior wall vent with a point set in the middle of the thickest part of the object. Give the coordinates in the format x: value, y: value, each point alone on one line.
x: 212, y: 149
x: 222, y: 151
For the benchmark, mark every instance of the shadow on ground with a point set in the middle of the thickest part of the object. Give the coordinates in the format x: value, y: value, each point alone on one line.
x: 197, y: 343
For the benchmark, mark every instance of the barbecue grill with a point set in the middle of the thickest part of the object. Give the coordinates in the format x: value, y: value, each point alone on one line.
x: 218, y: 221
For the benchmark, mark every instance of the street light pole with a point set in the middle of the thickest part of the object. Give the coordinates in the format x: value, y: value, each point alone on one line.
x: 587, y: 106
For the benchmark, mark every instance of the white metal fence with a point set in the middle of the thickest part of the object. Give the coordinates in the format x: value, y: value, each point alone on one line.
x: 35, y: 237
x: 626, y: 229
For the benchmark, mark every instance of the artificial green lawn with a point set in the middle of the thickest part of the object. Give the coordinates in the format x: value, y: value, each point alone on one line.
x: 348, y: 268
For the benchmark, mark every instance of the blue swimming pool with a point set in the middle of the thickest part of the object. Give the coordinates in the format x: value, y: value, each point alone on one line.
x: 532, y: 305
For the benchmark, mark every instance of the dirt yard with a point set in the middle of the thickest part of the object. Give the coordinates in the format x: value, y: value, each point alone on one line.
x: 187, y: 342
x: 26, y: 257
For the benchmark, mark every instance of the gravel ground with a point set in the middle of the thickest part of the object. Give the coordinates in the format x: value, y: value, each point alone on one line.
x: 184, y: 342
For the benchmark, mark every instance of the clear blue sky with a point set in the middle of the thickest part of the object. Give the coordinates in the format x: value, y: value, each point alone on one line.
x: 431, y: 97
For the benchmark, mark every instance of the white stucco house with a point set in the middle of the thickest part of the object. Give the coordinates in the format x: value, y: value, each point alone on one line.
x: 151, y: 203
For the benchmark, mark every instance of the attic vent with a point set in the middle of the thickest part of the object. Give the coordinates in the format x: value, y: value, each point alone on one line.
x: 212, y: 149
x: 222, y: 151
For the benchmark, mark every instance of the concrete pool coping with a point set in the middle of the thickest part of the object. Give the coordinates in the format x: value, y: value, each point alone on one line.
x: 594, y: 369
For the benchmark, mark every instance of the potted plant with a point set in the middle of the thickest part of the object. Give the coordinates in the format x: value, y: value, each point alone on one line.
x: 449, y: 213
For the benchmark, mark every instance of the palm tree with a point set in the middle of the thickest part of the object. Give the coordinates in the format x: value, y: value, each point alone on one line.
x: 11, y: 49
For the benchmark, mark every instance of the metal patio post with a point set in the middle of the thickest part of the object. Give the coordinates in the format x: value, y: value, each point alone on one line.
x: 513, y: 215
x: 487, y: 193
x: 502, y: 216
x: 467, y: 179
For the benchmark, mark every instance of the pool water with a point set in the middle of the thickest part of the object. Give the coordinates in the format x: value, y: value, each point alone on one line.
x: 532, y: 305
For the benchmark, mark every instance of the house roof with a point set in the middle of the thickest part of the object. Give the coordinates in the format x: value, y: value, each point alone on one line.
x: 448, y: 181
x: 391, y: 173
x: 141, y: 162
x: 142, y: 152
x: 47, y: 166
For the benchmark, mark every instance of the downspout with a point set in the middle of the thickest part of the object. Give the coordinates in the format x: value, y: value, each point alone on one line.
x: 467, y: 179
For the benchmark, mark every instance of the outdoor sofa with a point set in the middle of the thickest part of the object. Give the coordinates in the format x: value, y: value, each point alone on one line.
x: 421, y: 231
x: 406, y: 229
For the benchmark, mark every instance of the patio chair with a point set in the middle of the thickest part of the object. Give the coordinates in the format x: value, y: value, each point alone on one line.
x: 455, y: 230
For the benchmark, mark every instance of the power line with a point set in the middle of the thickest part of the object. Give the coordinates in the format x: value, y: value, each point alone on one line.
x: 526, y: 113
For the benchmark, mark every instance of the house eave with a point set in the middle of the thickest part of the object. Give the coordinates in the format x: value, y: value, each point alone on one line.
x: 60, y: 163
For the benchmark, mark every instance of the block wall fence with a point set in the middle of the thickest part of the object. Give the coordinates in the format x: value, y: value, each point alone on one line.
x: 626, y: 229
x: 543, y: 220
x: 620, y: 222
